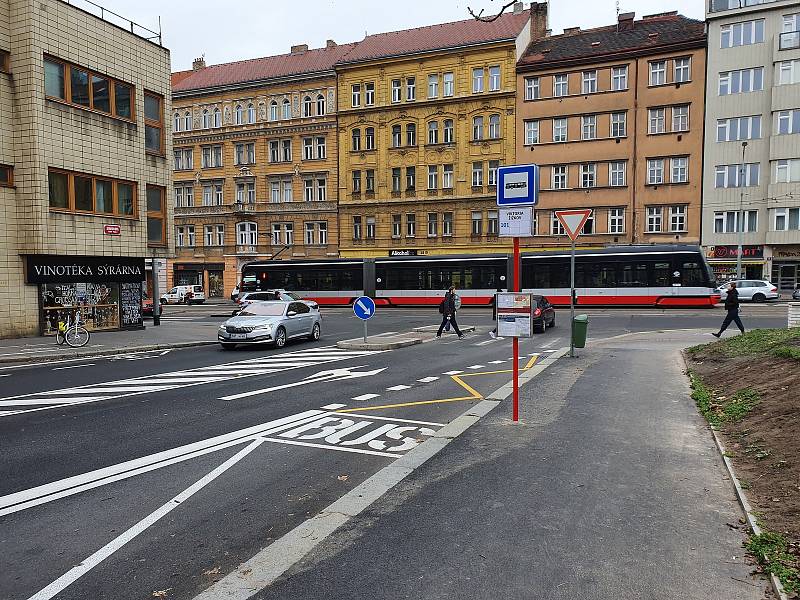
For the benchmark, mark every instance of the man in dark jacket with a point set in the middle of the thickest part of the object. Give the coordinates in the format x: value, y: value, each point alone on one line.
x: 449, y: 312
x: 732, y: 306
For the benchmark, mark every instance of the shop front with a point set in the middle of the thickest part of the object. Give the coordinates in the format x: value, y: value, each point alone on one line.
x: 209, y: 275
x: 786, y: 268
x: 723, y: 261
x: 106, y: 290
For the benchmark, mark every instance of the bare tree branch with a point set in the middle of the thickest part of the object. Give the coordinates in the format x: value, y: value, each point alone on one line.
x: 479, y: 16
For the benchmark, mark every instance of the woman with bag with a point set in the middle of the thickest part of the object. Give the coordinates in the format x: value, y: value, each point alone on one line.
x: 448, y: 310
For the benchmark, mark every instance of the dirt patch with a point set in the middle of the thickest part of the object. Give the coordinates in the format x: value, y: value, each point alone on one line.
x: 749, y: 388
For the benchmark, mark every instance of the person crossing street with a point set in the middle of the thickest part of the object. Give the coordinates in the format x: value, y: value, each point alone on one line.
x: 732, y: 306
x: 448, y: 310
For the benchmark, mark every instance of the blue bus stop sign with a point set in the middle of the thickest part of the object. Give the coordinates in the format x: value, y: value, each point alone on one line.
x: 364, y: 307
x: 518, y: 185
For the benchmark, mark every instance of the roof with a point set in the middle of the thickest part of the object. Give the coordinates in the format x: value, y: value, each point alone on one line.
x: 593, y: 44
x: 437, y: 37
x: 259, y: 69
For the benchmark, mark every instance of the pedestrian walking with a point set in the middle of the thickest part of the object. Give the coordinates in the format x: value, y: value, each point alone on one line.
x: 448, y: 310
x: 732, y: 306
x: 493, y: 332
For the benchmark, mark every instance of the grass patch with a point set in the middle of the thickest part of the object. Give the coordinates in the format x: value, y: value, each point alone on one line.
x: 741, y: 403
x: 719, y: 409
x: 757, y: 341
x: 774, y: 554
x: 792, y: 352
x: 703, y: 397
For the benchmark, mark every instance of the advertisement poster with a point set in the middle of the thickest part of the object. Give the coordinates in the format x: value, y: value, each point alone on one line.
x: 514, y: 314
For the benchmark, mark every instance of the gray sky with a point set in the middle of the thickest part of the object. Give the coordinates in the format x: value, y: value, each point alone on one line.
x: 228, y: 31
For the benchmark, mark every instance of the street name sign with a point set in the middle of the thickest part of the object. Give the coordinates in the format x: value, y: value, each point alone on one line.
x: 573, y: 221
x: 516, y: 222
x: 518, y: 185
x: 364, y: 307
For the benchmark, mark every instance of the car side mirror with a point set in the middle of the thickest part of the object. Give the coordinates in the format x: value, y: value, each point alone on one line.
x: 291, y: 313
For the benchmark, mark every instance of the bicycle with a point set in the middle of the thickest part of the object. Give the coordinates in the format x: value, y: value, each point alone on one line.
x: 72, y: 332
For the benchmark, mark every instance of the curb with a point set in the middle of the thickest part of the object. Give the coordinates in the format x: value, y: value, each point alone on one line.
x: 95, y: 353
x: 356, y: 345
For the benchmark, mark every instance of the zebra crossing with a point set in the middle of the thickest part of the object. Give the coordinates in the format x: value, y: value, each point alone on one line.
x: 160, y: 382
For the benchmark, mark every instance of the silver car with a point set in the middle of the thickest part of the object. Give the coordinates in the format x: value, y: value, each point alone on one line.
x: 757, y: 290
x: 271, y: 323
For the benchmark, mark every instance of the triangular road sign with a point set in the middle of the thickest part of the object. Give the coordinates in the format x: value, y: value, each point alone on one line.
x: 573, y: 221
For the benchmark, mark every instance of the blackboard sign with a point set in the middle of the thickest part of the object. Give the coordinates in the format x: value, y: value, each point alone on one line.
x: 130, y: 305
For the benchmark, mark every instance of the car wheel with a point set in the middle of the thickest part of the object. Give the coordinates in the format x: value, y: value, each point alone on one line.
x: 163, y: 301
x: 280, y: 337
x: 228, y: 346
x: 316, y: 332
x: 539, y: 327
x: 759, y: 297
x: 553, y: 322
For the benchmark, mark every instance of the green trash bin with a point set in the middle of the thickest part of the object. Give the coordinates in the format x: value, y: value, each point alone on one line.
x: 580, y: 326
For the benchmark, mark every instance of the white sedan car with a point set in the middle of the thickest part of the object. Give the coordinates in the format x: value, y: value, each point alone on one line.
x: 755, y: 290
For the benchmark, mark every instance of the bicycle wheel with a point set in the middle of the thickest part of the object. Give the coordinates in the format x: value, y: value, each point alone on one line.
x: 77, y: 337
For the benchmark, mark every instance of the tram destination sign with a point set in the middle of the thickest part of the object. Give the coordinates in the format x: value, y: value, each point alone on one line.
x: 50, y: 268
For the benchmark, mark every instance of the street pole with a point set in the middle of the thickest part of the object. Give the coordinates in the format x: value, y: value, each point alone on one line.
x: 740, y: 216
x: 572, y: 302
x: 515, y: 339
x: 156, y: 294
x: 365, y: 331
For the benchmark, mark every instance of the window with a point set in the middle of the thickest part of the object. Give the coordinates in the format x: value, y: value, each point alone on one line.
x: 277, y: 230
x: 369, y: 138
x: 447, y: 224
x: 316, y: 233
x: 654, y: 214
x: 275, y: 191
x: 87, y: 89
x: 433, y: 177
x: 187, y: 121
x: 322, y: 149
x: 411, y: 134
x: 370, y: 228
x: 396, y: 179
x: 477, y: 81
x: 477, y: 222
x: 86, y: 193
x: 239, y: 112
x: 494, y: 127
x: 355, y: 146
x: 411, y: 178
x: 532, y: 88
x: 492, y: 172
x: 5, y: 61
x: 411, y: 88
x: 356, y: 182
x: 184, y: 195
x: 287, y: 191
x: 494, y: 78
x: 355, y: 98
x: 448, y: 85
x: 274, y: 151
x: 677, y: 218
x: 273, y: 110
x: 156, y: 215
x: 656, y: 120
x: 320, y: 105
x: 181, y: 234
x: 433, y: 86
x: 658, y: 72
x: 680, y: 169
x: 190, y: 236
x: 396, y: 226
x: 791, y: 23
x: 286, y: 109
x: 786, y: 219
x: 433, y: 132
x: 787, y: 171
x: 411, y: 225
x: 177, y: 122
x: 742, y: 81
x: 787, y: 121
x: 618, y: 122
x: 619, y: 78
x: 742, y: 34
x: 447, y: 177
x: 206, y: 119
x: 680, y: 117
x: 477, y: 128
x: 559, y: 129
x: 286, y: 147
x: 616, y: 220
x: 588, y: 127
x: 246, y: 192
x: 217, y: 118
x: 356, y: 227
x: 556, y: 228
x: 448, y: 132
x: 214, y: 235
x: 369, y: 182
x: 589, y: 175
x: 369, y: 94
x: 682, y: 70
x: 308, y: 190
x: 246, y: 234
x: 6, y: 176
x: 731, y: 221
x: 788, y: 72
x: 616, y: 173
x: 397, y: 90
x: 477, y: 174
x: 212, y: 156
x: 560, y: 85
x: 559, y: 177
x: 739, y: 128
x: 397, y: 136
x: 245, y: 153
x: 433, y: 224
x: 493, y: 223
x: 589, y: 82
x: 183, y: 159
x: 531, y: 132
x: 153, y: 123
x: 308, y: 106
x: 737, y: 175
x: 655, y: 171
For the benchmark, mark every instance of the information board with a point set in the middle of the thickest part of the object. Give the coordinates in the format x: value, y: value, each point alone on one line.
x: 516, y: 222
x: 514, y: 312
x: 130, y: 305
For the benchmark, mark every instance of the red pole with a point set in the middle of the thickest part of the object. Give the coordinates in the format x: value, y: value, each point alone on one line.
x: 515, y: 342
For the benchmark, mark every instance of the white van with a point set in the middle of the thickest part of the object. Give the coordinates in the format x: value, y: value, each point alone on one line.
x: 184, y: 294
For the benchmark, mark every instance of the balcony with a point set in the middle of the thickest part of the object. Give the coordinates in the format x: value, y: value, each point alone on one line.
x: 715, y: 6
x: 244, y: 207
x: 789, y: 40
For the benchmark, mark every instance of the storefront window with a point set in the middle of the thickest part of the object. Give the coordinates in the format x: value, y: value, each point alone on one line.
x: 98, y: 304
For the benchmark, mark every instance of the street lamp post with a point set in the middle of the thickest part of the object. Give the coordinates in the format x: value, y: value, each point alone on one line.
x: 740, y: 215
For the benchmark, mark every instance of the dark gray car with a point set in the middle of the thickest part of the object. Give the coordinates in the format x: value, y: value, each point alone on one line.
x: 271, y: 323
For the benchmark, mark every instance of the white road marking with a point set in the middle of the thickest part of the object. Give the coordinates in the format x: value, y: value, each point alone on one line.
x: 330, y: 375
x: 476, y: 367
x: 366, y: 397
x: 452, y: 372
x: 6, y: 375
x: 398, y: 388
x: 73, y: 367
x: 496, y: 362
x: 333, y: 406
x: 483, y: 343
x: 427, y: 379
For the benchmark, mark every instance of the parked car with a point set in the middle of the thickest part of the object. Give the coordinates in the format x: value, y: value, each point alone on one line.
x: 247, y: 298
x: 184, y: 294
x: 271, y: 323
x: 147, y: 307
x: 755, y: 290
x: 235, y: 293
x: 544, y: 314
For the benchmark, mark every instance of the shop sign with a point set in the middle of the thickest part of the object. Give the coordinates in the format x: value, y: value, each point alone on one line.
x: 721, y: 252
x: 408, y: 252
x: 49, y: 268
x: 788, y: 252
x: 112, y: 229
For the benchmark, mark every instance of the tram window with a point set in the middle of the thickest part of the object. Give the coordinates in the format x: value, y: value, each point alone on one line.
x: 693, y: 274
x: 633, y: 275
x: 661, y: 275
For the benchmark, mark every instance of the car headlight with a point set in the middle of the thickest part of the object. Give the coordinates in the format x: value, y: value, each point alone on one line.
x: 267, y: 327
x: 222, y: 329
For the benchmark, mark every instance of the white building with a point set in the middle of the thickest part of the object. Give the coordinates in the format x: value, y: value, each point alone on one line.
x: 753, y: 97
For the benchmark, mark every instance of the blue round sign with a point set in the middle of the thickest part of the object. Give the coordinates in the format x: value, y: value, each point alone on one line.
x: 364, y: 307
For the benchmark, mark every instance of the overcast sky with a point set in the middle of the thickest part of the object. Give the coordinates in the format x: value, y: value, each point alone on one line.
x: 228, y: 31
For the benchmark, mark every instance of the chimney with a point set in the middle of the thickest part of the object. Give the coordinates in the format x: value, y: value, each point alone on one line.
x: 625, y: 21
x: 330, y: 44
x: 539, y: 26
x: 518, y: 6
x: 299, y: 48
x: 571, y: 30
x: 198, y: 64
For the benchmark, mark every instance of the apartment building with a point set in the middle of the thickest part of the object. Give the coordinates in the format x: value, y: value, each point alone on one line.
x: 752, y: 143
x: 426, y: 117
x: 85, y: 165
x: 614, y: 117
x: 255, y: 147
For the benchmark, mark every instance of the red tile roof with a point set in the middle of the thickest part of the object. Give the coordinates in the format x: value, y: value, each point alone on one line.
x: 257, y: 69
x: 437, y: 37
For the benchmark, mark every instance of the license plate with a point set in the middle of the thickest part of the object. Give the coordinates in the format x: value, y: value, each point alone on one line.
x: 238, y: 336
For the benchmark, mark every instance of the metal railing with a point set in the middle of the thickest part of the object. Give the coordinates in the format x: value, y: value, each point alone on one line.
x: 789, y: 40
x: 117, y: 19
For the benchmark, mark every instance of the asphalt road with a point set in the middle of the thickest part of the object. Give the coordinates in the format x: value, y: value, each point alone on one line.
x: 172, y: 469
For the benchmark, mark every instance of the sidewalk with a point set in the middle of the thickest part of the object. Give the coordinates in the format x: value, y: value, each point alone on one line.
x: 609, y: 489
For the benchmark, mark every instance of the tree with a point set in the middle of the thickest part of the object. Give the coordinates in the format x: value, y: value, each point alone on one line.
x: 488, y: 19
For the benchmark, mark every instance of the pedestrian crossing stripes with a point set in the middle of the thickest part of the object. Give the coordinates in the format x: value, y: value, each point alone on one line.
x: 160, y: 382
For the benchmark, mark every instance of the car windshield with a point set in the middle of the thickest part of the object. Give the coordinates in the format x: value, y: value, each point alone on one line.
x: 258, y: 309
x: 290, y: 296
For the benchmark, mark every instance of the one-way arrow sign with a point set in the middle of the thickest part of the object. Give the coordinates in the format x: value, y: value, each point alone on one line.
x: 573, y: 221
